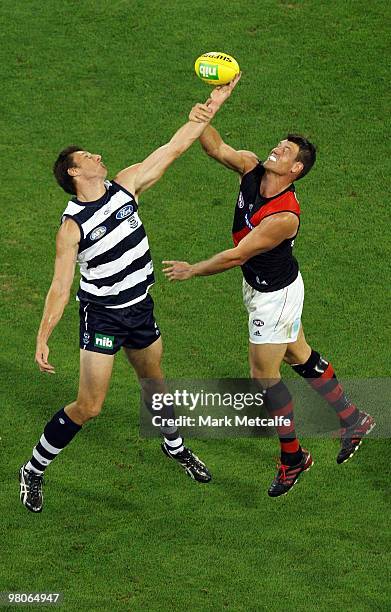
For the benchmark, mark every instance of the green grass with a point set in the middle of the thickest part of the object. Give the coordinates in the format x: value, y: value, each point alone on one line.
x: 122, y: 528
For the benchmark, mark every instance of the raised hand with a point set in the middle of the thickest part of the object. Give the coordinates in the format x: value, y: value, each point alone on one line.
x: 200, y: 113
x: 222, y: 92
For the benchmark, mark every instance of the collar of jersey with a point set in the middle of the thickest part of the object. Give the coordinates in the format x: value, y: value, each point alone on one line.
x: 278, y: 195
x: 99, y: 202
x: 262, y: 198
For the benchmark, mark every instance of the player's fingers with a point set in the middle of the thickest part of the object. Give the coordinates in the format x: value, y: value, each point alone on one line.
x: 47, y: 368
x: 204, y: 107
x: 45, y: 364
x: 203, y: 118
x: 197, y: 115
x: 201, y: 115
x: 42, y: 362
x: 235, y: 81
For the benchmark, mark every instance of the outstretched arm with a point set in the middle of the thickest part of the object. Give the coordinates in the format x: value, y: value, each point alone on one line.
x: 214, y: 146
x: 67, y: 243
x: 142, y: 176
x: 266, y: 236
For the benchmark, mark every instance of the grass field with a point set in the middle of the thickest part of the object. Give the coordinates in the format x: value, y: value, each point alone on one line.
x: 122, y: 528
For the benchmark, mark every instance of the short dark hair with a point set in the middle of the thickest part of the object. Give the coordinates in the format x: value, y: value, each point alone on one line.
x: 60, y: 168
x: 306, y: 154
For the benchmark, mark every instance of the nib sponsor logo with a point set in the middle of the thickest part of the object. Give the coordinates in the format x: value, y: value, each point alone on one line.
x: 209, y: 71
x: 104, y: 342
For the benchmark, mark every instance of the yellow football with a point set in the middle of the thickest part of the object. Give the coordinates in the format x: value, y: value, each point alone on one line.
x: 216, y: 68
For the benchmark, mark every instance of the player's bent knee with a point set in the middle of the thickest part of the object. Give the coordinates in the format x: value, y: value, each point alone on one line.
x: 265, y: 377
x: 88, y: 410
x: 293, y: 357
x: 289, y: 358
x: 256, y: 373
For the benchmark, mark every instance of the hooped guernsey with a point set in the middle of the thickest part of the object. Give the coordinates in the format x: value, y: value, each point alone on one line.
x: 114, y: 257
x: 277, y: 268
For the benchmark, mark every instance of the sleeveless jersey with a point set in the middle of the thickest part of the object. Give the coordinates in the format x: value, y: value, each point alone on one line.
x: 276, y: 268
x: 114, y: 258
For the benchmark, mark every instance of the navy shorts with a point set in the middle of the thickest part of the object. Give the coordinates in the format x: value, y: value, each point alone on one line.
x: 106, y: 330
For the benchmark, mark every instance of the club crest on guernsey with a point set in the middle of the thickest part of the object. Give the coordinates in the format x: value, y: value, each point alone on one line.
x: 241, y: 200
x: 125, y: 211
x: 98, y: 232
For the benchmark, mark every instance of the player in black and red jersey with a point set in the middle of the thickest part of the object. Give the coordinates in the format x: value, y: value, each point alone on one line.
x: 266, y: 223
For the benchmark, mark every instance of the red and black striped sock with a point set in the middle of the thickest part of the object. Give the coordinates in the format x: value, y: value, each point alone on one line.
x: 320, y: 374
x: 278, y: 402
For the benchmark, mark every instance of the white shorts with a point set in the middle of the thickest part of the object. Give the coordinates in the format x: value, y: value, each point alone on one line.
x: 274, y: 318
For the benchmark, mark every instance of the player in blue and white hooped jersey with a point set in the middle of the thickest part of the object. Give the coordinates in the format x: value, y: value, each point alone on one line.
x: 101, y: 231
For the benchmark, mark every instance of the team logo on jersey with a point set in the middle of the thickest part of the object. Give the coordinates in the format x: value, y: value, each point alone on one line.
x: 86, y: 337
x: 258, y: 322
x: 133, y: 222
x: 257, y: 333
x: 125, y: 211
x: 241, y: 200
x: 98, y: 232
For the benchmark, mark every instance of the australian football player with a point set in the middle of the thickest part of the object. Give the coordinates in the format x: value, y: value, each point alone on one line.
x: 102, y: 231
x: 266, y: 223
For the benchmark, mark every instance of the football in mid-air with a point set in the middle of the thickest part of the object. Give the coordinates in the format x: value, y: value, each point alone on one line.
x: 216, y: 68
